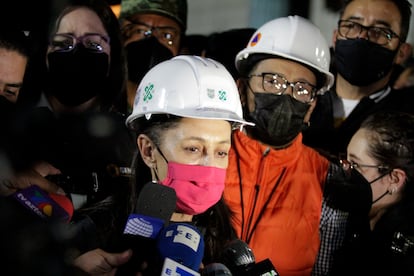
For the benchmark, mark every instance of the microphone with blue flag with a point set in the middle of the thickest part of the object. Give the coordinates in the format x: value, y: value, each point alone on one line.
x: 155, y: 205
x: 181, y: 246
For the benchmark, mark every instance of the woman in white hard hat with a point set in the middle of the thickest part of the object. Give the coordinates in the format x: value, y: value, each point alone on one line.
x: 184, y: 113
x: 274, y: 184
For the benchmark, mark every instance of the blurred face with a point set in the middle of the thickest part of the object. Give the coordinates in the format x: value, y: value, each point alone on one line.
x: 358, y: 152
x: 378, y: 13
x: 140, y: 26
x: 12, y: 69
x: 80, y: 22
x: 203, y: 142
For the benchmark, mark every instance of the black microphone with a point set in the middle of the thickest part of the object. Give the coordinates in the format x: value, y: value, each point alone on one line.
x: 239, y: 258
x: 216, y: 269
x: 155, y: 205
x: 181, y: 248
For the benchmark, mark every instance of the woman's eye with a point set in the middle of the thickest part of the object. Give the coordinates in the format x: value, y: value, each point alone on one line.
x: 223, y: 153
x: 192, y: 149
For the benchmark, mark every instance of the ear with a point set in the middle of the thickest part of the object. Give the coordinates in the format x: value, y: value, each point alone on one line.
x: 334, y: 36
x: 242, y: 86
x: 146, y: 149
x: 310, y: 110
x: 404, y: 52
x: 398, y: 179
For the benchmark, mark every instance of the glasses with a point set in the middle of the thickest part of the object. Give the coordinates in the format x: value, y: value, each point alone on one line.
x: 351, y: 165
x: 277, y: 84
x: 378, y: 35
x: 67, y: 42
x: 166, y: 35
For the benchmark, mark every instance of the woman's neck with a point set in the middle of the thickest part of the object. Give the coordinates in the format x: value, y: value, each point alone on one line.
x: 180, y: 217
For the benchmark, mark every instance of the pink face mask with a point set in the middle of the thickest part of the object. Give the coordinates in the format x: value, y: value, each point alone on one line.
x: 197, y: 187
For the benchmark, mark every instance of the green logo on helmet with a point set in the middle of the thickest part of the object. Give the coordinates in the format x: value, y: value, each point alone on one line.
x: 148, y: 90
x: 222, y: 95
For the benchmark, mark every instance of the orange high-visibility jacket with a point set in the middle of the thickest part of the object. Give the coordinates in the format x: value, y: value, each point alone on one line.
x: 276, y: 199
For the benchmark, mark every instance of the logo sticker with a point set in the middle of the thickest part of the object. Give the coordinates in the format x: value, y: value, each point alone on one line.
x: 255, y: 39
x: 210, y: 93
x: 222, y: 95
x: 148, y: 92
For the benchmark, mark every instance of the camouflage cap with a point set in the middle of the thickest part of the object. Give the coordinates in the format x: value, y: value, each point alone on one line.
x: 174, y: 9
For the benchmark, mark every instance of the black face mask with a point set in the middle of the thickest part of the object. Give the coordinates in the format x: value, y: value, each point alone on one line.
x: 362, y: 62
x: 77, y: 76
x: 279, y: 119
x: 142, y: 55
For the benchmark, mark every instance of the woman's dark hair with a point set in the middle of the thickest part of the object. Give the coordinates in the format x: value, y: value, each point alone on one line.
x: 117, y: 68
x: 391, y: 138
x: 215, y: 222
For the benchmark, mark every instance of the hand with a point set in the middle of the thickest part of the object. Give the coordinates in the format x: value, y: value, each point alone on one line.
x: 34, y: 176
x: 100, y: 262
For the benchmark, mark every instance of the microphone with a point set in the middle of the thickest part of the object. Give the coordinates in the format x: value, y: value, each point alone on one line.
x: 48, y: 206
x: 181, y: 246
x: 216, y: 269
x: 154, y: 207
x: 239, y: 258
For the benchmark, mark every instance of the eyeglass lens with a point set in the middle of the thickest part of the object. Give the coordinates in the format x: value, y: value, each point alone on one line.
x: 277, y: 84
x: 351, y: 30
x: 67, y: 42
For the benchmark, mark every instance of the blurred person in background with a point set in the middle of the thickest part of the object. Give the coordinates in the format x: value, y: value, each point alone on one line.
x: 152, y: 31
x: 369, y: 45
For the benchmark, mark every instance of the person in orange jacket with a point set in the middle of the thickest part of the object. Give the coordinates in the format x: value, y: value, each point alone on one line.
x: 275, y: 184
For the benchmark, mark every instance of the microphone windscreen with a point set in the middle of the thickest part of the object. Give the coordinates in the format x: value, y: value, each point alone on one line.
x: 154, y: 208
x: 182, y: 243
x: 237, y: 254
x: 46, y: 206
x: 216, y: 269
x: 156, y: 200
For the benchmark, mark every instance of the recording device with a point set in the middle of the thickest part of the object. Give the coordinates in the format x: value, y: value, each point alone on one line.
x: 48, y: 206
x: 216, y: 269
x: 184, y: 245
x: 154, y: 208
x: 239, y: 258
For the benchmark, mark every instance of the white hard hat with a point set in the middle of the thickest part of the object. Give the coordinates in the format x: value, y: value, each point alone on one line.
x: 294, y: 38
x: 188, y: 86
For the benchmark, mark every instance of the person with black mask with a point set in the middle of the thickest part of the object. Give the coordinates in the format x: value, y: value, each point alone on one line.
x: 72, y: 138
x: 369, y: 45
x: 152, y: 31
x: 380, y: 241
x: 275, y: 184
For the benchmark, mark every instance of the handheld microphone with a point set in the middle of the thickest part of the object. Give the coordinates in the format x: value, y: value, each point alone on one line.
x: 216, y: 269
x: 155, y: 205
x: 48, y: 206
x: 239, y: 258
x: 184, y: 245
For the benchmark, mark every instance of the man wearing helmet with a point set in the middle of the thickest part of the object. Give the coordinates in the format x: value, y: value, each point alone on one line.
x: 274, y: 183
x: 152, y: 31
x: 369, y: 42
